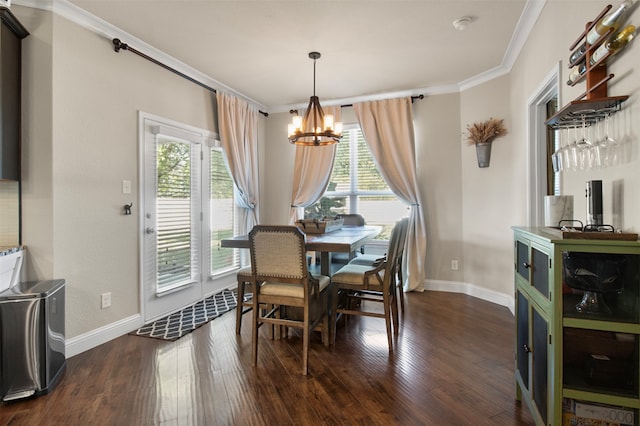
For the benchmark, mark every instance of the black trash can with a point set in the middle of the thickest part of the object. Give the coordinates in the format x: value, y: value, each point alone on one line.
x: 32, y: 338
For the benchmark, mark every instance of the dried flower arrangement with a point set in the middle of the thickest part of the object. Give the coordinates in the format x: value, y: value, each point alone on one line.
x: 486, y: 131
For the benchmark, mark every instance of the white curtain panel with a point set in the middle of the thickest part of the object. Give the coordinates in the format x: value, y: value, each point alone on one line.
x: 387, y: 126
x: 311, y: 172
x: 238, y: 126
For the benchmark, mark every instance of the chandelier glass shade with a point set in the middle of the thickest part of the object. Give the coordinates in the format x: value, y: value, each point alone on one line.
x: 315, y: 128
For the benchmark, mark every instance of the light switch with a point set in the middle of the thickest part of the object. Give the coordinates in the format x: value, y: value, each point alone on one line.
x: 126, y: 187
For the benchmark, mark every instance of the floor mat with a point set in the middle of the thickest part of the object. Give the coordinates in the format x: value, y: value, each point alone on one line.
x: 176, y: 325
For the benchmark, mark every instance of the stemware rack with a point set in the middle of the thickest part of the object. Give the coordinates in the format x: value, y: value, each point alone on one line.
x: 593, y: 104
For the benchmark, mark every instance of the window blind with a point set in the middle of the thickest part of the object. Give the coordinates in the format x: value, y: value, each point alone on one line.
x: 176, y: 194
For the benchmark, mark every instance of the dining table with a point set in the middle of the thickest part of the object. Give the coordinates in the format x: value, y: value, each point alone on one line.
x: 347, y: 239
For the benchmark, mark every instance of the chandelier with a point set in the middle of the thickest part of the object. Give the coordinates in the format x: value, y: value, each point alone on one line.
x: 315, y: 128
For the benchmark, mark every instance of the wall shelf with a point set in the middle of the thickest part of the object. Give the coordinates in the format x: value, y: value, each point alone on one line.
x: 592, y: 110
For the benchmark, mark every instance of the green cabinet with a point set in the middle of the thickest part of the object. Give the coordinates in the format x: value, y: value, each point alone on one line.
x: 577, y: 312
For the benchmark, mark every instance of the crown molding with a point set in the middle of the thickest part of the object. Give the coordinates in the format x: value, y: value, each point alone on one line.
x: 64, y: 8
x: 109, y: 31
x: 530, y: 13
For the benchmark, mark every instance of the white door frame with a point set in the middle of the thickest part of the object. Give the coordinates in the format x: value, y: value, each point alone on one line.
x: 537, y: 146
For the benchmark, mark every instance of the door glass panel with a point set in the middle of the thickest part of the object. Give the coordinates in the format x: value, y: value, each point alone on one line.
x: 174, y: 214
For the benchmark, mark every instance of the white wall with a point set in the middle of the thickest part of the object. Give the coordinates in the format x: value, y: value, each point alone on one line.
x: 275, y: 188
x: 438, y: 149
x: 490, y: 200
x: 37, y: 147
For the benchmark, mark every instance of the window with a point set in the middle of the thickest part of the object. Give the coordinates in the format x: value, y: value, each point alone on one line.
x: 356, y: 186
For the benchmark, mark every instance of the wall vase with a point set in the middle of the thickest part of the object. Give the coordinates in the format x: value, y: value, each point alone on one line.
x: 483, y: 151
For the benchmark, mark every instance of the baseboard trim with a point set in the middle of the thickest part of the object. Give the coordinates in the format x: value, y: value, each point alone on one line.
x: 99, y: 336
x: 492, y: 296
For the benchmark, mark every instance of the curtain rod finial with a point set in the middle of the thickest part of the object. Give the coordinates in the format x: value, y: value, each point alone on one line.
x: 117, y: 45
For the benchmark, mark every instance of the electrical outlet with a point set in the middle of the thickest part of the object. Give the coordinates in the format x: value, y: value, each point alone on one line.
x: 454, y: 264
x: 105, y: 300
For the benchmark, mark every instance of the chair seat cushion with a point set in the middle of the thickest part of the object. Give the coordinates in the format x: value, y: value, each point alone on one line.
x: 353, y: 275
x: 367, y: 259
x: 274, y: 288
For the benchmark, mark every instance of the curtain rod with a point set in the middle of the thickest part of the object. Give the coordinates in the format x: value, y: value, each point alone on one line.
x: 413, y: 98
x: 118, y: 44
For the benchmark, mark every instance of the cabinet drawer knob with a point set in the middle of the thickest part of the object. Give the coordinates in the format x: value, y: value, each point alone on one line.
x: 526, y: 348
x: 526, y: 265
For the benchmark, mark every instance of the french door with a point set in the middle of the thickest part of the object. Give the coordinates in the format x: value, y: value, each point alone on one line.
x: 189, y: 207
x: 172, y: 224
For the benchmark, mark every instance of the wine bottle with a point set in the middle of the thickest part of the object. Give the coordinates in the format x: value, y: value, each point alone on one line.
x: 576, y: 72
x: 608, y: 21
x: 614, y: 45
x: 578, y: 54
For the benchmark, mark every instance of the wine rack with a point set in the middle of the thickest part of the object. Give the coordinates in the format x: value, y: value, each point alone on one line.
x: 593, y: 104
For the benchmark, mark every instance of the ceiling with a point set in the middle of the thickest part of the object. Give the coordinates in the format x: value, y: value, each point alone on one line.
x: 369, y: 49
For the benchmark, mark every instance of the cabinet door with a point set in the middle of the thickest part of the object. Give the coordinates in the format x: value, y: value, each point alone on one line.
x: 522, y: 339
x: 533, y: 264
x: 540, y: 271
x: 522, y: 259
x: 532, y: 355
x: 540, y: 363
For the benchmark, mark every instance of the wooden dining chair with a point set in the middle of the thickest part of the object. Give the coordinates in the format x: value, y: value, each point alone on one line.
x: 243, y: 276
x: 373, y: 259
x: 370, y: 283
x: 292, y: 297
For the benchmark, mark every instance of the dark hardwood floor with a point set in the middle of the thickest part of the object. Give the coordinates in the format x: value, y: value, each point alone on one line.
x: 453, y: 365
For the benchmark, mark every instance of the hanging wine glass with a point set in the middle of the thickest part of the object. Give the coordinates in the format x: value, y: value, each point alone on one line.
x: 566, y: 160
x: 574, y: 150
x: 612, y: 145
x: 596, y: 148
x: 556, y: 157
x: 563, y: 153
x: 583, y: 145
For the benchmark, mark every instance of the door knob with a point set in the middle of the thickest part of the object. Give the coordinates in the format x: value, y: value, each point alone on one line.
x: 150, y: 230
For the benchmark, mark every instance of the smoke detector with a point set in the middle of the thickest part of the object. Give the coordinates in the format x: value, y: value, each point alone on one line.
x: 462, y: 23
